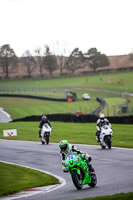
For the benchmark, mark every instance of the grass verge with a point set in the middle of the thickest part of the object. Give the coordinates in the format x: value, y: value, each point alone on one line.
x: 15, y: 178
x: 121, y: 196
x: 76, y: 133
x: 21, y: 107
x: 93, y: 81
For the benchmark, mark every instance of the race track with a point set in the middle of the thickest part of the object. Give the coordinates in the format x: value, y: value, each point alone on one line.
x: 114, y: 168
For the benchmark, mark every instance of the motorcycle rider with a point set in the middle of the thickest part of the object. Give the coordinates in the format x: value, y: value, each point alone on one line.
x: 101, y: 122
x: 66, y: 148
x: 42, y: 122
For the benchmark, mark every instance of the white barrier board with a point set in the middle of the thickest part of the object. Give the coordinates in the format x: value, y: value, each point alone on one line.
x: 12, y: 132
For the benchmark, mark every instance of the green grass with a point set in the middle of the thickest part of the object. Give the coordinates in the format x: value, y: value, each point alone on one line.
x: 14, y: 178
x: 73, y: 132
x: 112, y: 108
x: 121, y: 196
x: 80, y: 133
x: 21, y: 107
x: 93, y: 81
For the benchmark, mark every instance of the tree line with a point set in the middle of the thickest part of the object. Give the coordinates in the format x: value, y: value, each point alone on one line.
x: 44, y: 58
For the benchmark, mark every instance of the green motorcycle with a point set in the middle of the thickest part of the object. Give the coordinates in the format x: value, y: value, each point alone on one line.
x: 79, y: 171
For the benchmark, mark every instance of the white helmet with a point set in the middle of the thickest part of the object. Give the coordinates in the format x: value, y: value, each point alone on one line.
x: 102, y: 116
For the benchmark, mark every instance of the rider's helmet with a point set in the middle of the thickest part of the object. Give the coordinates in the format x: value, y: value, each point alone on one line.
x: 44, y: 118
x: 64, y: 146
x: 102, y: 117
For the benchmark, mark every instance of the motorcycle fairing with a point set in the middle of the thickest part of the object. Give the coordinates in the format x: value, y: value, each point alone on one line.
x: 74, y: 163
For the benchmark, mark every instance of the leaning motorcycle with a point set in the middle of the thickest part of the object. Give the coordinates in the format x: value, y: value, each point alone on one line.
x: 45, y: 133
x: 79, y: 171
x: 106, y: 136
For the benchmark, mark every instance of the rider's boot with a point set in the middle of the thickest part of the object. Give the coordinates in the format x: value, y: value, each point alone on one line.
x: 98, y: 139
x: 65, y: 169
x: 91, y: 169
x: 98, y: 136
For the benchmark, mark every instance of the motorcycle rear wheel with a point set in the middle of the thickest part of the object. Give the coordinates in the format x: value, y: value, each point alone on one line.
x: 76, y: 178
x: 47, y: 139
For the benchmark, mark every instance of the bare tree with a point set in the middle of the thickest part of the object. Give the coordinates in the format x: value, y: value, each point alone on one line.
x: 29, y: 62
x: 75, y: 61
x: 39, y: 58
x: 131, y: 56
x: 8, y: 60
x: 61, y: 63
x: 50, y: 61
x: 61, y: 58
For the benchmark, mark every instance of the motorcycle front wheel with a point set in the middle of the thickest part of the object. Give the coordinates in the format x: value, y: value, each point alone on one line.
x: 47, y: 138
x: 77, y: 180
x: 42, y: 141
x: 93, y: 180
x: 108, y: 142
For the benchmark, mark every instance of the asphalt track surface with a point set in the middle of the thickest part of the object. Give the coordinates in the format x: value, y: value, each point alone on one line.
x: 114, y: 168
x: 4, y: 116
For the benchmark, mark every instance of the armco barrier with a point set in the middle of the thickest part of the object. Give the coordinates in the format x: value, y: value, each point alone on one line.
x: 100, y: 108
x: 61, y: 117
x: 84, y: 118
x: 32, y: 97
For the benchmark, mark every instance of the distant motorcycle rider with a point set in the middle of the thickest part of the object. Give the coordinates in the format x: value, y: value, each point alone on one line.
x: 101, y: 122
x: 42, y: 122
x: 66, y: 148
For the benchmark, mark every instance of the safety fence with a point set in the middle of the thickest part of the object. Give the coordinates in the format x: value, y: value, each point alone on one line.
x: 33, y: 90
x: 84, y: 118
x: 33, y: 97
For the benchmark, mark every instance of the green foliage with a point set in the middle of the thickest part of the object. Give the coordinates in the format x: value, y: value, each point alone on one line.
x: 14, y: 178
x: 96, y: 59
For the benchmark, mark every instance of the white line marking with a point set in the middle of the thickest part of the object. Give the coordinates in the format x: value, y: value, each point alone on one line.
x: 34, y: 191
x: 121, y: 148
